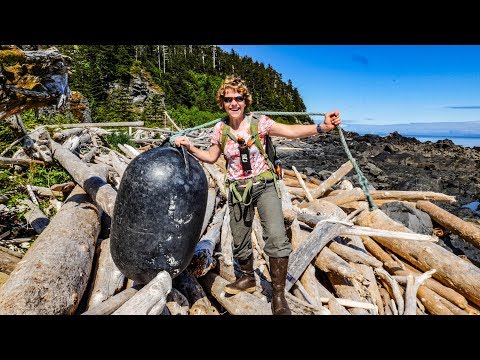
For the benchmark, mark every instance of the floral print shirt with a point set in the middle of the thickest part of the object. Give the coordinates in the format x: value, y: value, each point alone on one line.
x: 232, y: 152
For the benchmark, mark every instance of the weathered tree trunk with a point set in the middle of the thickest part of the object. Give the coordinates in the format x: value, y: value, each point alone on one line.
x: 53, y: 275
x: 100, y: 191
x: 451, y: 271
x: 467, y: 231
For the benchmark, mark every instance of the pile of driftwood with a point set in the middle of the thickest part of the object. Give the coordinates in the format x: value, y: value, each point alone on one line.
x: 346, y: 259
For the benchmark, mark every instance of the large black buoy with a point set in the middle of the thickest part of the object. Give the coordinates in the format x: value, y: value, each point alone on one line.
x: 158, y: 213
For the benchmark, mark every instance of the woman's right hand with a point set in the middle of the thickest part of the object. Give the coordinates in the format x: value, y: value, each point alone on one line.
x: 183, y: 140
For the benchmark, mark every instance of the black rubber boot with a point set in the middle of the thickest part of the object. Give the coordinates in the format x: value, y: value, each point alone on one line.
x: 246, y: 282
x: 278, y: 273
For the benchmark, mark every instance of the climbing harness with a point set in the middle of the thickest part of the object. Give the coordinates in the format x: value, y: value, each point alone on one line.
x: 361, y: 178
x: 253, y: 139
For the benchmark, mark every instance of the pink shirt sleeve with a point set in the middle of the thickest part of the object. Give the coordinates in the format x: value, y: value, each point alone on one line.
x: 217, y: 134
x: 264, y: 125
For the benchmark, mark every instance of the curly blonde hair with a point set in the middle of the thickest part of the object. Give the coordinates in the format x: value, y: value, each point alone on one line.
x: 234, y: 83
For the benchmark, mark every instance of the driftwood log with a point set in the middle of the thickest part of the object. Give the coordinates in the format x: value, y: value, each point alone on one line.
x: 465, y: 230
x: 89, y: 180
x: 53, y: 275
x: 451, y: 270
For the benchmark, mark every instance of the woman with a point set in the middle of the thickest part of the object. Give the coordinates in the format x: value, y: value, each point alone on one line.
x: 250, y: 172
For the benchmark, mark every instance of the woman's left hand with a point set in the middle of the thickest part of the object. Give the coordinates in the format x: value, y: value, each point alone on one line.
x: 332, y: 119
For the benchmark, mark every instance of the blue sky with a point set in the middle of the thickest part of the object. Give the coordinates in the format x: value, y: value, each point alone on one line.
x: 380, y: 84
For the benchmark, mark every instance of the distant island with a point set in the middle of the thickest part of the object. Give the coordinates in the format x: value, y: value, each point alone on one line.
x: 470, y: 129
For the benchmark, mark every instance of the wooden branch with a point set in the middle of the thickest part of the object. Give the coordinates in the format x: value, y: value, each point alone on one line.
x: 451, y: 271
x: 392, y: 283
x: 412, y: 285
x: 396, y: 267
x: 302, y: 183
x: 104, y: 124
x: 150, y: 299
x: 354, y: 255
x: 53, y: 276
x: 100, y: 191
x: 173, y: 122
x: 328, y: 261
x: 23, y: 162
x: 35, y: 217
x: 465, y: 230
x: 357, y: 194
x: 114, y: 302
x: 350, y: 303
x: 108, y: 279
x: 332, y: 180
x: 369, y: 231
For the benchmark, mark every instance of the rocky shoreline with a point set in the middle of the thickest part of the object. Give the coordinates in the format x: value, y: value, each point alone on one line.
x: 395, y: 162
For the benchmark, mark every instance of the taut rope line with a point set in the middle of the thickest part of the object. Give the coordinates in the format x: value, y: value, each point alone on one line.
x: 361, y: 178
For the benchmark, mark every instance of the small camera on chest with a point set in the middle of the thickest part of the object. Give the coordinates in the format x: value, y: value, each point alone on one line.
x: 244, y: 154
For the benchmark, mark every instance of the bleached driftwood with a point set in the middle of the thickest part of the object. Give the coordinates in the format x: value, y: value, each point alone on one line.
x: 429, y: 292
x: 225, y: 263
x: 108, y: 278
x: 328, y: 261
x: 411, y: 289
x: 465, y: 230
x: 242, y: 303
x: 332, y: 180
x: 106, y: 124
x: 35, y: 217
x: 302, y: 183
x: 451, y: 270
x: 218, y: 177
x: 91, y: 182
x: 366, y: 270
x: 394, y: 287
x: 302, y: 256
x: 53, y: 275
x: 342, y: 197
x: 211, y: 197
x: 353, y: 255
x: 150, y: 299
x: 114, y: 302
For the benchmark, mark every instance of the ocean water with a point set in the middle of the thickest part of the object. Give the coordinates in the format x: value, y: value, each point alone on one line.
x: 457, y: 140
x: 464, y: 141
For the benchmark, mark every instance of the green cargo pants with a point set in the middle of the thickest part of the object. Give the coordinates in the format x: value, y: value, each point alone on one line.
x: 265, y: 198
